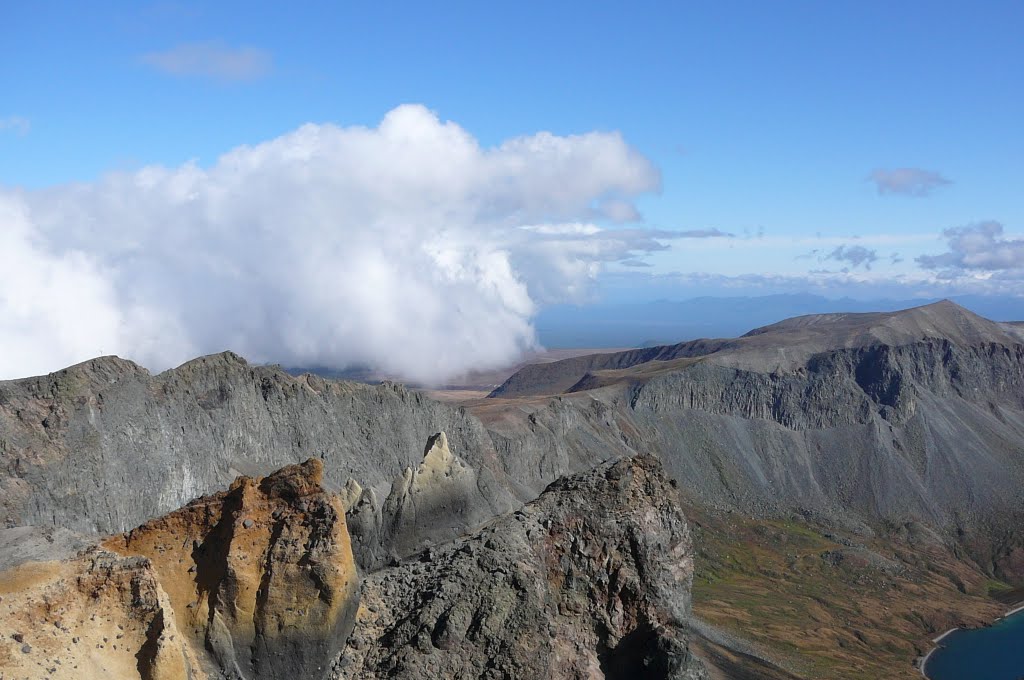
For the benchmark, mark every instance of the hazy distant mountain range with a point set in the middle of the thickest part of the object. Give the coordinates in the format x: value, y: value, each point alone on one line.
x: 664, y: 322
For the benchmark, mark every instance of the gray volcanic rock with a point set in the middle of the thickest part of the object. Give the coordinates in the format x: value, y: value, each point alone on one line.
x: 103, y: 446
x: 590, y: 580
x: 868, y: 420
x: 39, y: 544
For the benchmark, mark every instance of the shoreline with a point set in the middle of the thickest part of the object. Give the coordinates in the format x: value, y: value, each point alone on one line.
x: 922, y: 662
x: 1010, y: 613
x: 951, y: 630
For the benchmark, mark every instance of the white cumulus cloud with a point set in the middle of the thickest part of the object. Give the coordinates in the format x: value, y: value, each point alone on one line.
x: 408, y: 247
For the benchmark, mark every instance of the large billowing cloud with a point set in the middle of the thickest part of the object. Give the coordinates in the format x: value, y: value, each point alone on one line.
x: 408, y: 247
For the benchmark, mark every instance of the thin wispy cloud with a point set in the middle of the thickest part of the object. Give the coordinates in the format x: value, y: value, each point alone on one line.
x: 212, y: 60
x: 18, y: 125
x: 907, y: 181
x: 704, y: 233
x: 854, y: 256
x: 858, y: 284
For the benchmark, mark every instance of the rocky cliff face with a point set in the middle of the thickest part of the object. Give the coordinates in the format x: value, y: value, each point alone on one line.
x: 868, y: 426
x: 255, y: 582
x: 103, y: 446
x: 590, y: 580
x: 433, y: 502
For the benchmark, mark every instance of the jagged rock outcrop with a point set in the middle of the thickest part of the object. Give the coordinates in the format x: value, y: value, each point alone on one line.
x: 894, y: 426
x: 262, y: 575
x: 590, y: 580
x: 431, y: 503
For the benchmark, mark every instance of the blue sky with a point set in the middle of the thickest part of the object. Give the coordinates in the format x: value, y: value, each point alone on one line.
x: 834, y: 142
x: 758, y: 114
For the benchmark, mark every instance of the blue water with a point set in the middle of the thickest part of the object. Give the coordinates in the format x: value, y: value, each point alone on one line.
x: 994, y: 653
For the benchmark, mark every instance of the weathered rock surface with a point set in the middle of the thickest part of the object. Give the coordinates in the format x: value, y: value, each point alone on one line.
x: 906, y: 425
x: 590, y: 580
x: 868, y: 420
x: 100, y: 615
x: 39, y: 544
x: 262, y: 575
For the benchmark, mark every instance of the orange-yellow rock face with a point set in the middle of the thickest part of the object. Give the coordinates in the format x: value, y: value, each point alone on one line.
x: 262, y: 574
x: 255, y: 582
x: 97, y: 616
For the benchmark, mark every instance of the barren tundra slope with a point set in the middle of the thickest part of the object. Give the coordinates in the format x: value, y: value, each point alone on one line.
x: 862, y: 419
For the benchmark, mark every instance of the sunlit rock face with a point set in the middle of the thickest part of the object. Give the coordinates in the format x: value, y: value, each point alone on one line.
x: 258, y: 581
x: 261, y: 577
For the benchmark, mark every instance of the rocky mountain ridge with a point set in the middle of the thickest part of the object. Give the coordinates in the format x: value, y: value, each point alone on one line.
x: 104, y: 445
x: 786, y: 346
x: 899, y: 431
